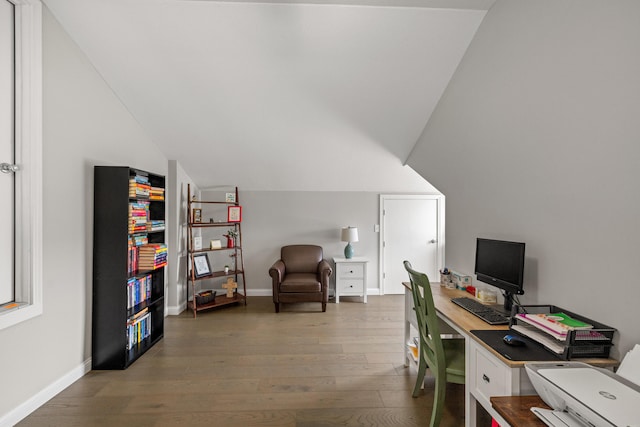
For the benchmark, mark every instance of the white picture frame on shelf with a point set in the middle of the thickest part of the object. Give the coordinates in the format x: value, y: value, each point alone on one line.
x: 197, y: 243
x: 230, y: 197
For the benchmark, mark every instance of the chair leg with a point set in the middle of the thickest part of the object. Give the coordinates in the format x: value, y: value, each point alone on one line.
x: 277, y: 307
x: 324, y: 307
x: 438, y: 401
x: 422, y: 369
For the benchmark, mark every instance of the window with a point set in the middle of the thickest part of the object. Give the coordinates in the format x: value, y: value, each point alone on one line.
x: 7, y: 181
x: 21, y: 84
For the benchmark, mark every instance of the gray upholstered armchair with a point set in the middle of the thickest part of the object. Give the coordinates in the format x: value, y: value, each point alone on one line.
x: 300, y: 275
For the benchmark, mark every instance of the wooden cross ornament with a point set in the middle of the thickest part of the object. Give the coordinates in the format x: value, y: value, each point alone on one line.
x: 230, y: 286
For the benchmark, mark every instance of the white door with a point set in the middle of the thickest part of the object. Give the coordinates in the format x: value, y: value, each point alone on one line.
x: 413, y: 230
x: 6, y: 152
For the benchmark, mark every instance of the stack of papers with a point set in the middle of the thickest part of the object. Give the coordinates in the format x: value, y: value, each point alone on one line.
x: 552, y: 330
x: 557, y: 325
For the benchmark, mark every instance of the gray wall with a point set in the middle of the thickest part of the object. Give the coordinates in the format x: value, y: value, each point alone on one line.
x: 271, y: 219
x: 84, y: 125
x: 540, y: 132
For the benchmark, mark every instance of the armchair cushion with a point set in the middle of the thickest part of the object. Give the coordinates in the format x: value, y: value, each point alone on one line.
x: 300, y: 282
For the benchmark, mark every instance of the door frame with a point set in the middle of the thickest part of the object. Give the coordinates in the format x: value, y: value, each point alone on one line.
x: 440, y: 227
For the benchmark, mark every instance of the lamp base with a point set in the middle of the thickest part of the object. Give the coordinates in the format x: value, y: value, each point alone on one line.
x: 348, y: 251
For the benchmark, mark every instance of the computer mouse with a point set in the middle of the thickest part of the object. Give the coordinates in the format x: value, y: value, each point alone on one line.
x: 513, y: 340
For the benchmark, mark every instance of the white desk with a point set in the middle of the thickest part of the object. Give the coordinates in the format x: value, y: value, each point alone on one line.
x: 487, y: 372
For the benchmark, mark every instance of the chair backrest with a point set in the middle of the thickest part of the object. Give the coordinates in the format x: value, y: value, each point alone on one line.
x: 426, y: 316
x: 301, y: 258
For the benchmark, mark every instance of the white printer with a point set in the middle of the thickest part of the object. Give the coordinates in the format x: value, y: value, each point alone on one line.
x: 582, y: 395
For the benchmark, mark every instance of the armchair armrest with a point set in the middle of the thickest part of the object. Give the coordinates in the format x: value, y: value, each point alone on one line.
x: 277, y: 271
x: 324, y: 268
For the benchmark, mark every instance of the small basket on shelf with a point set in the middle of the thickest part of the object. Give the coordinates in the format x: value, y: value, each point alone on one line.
x: 205, y: 297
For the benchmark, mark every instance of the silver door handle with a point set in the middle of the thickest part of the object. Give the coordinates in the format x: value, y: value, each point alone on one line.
x: 8, y: 168
x: 432, y: 241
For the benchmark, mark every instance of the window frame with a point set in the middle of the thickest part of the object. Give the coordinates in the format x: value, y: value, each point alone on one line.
x: 28, y: 156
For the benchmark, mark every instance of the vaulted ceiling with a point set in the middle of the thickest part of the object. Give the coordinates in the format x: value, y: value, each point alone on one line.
x: 279, y: 95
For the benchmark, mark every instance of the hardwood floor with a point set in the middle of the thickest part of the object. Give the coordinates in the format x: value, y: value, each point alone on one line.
x: 248, y: 366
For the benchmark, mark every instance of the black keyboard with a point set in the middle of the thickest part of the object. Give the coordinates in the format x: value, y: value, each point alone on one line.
x: 488, y: 314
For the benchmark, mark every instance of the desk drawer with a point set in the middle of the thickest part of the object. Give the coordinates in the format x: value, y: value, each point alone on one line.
x: 350, y: 270
x: 490, y: 377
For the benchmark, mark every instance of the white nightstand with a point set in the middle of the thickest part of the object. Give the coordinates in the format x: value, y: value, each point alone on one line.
x: 351, y: 277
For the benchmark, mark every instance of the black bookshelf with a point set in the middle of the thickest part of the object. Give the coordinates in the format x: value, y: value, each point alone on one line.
x: 117, y: 339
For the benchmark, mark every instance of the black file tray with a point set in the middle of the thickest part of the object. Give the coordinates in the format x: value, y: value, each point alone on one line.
x: 596, y: 342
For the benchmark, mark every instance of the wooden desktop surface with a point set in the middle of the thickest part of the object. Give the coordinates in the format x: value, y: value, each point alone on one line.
x: 516, y: 410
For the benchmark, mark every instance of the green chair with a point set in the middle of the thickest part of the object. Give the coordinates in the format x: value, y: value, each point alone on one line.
x: 445, y: 357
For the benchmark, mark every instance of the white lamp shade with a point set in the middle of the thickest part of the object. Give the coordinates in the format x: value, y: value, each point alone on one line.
x: 350, y: 234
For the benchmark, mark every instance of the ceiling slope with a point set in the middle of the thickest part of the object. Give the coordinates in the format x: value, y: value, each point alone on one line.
x: 278, y: 96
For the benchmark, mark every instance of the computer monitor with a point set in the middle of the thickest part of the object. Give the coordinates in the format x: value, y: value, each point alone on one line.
x: 501, y: 264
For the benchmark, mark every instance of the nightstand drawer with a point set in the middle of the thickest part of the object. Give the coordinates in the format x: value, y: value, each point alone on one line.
x: 351, y: 286
x: 346, y: 271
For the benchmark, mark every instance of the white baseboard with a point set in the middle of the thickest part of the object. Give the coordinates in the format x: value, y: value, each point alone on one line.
x: 44, y: 395
x: 259, y: 292
x: 267, y: 292
x: 176, y: 310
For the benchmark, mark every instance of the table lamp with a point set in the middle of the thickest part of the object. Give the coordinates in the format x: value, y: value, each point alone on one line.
x: 349, y: 234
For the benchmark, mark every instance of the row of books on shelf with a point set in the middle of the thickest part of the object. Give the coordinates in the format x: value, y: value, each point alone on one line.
x: 156, y: 194
x: 138, y: 240
x: 140, y: 227
x: 138, y: 216
x: 132, y: 251
x: 145, y: 256
x: 152, y: 256
x: 139, y: 220
x: 138, y: 290
x: 132, y: 256
x: 146, y: 226
x: 138, y: 328
x: 155, y: 225
x: 139, y: 187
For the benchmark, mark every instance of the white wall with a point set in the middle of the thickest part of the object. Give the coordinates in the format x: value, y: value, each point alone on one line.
x: 84, y: 125
x: 540, y: 123
x: 176, y: 200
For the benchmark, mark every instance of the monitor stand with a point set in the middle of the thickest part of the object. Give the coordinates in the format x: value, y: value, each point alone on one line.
x: 508, y: 301
x: 500, y: 309
x: 505, y: 308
